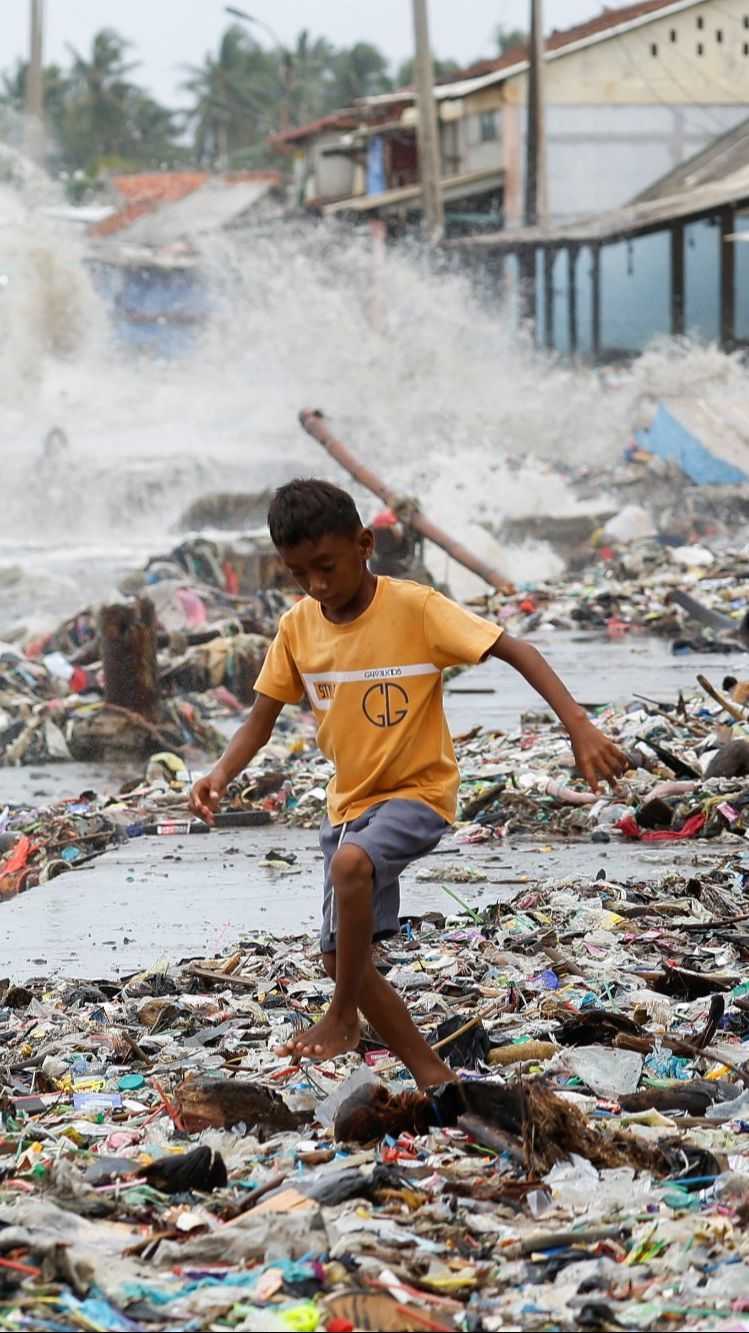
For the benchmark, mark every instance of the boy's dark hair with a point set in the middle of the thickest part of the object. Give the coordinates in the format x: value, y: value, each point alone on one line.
x: 305, y: 510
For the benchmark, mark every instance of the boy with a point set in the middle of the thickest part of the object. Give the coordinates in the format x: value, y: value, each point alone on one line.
x: 369, y: 653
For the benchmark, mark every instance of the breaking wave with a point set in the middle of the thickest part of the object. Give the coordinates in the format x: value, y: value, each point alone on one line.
x: 446, y: 399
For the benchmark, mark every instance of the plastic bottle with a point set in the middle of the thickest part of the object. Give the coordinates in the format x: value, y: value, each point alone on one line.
x: 167, y: 827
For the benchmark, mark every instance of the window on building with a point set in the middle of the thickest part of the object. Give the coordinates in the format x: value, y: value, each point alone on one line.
x: 700, y: 49
x: 700, y: 21
x: 746, y: 20
x: 719, y: 34
x: 673, y: 34
x: 653, y: 48
x: 746, y: 48
x: 488, y: 126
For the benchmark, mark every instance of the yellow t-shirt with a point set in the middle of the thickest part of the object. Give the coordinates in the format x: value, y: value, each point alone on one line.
x: 375, y: 685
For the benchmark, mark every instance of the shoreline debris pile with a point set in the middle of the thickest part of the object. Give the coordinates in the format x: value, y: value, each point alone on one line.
x: 162, y: 1168
x: 689, y: 779
x: 690, y: 594
x: 689, y: 774
x: 211, y: 638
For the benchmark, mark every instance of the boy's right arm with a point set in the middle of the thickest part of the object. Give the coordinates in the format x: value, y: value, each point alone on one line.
x: 253, y: 734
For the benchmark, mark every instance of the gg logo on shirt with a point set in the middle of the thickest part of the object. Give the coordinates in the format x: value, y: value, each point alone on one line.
x: 385, y: 705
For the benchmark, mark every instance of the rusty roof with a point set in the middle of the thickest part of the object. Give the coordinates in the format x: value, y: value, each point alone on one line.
x: 610, y: 20
x: 559, y: 38
x: 347, y: 119
x: 148, y: 191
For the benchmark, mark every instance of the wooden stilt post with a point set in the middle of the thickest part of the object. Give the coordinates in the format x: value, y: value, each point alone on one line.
x: 572, y: 297
x: 549, y: 257
x: 727, y: 279
x: 678, y: 324
x: 128, y: 649
x: 527, y: 292
x: 595, y: 311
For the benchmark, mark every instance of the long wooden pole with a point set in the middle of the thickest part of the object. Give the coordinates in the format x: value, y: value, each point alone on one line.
x: 535, y: 159
x: 428, y: 126
x: 315, y: 425
x: 35, y: 81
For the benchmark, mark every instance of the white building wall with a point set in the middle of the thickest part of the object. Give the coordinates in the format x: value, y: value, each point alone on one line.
x: 329, y: 175
x: 482, y: 153
x: 600, y: 157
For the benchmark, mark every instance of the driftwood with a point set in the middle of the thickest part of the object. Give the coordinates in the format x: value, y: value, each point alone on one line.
x: 519, y: 1051
x: 219, y: 1103
x: 540, y: 1126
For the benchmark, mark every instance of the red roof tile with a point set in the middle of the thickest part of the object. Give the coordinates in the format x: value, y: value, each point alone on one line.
x: 337, y: 120
x: 561, y: 37
x: 147, y: 191
x: 557, y: 40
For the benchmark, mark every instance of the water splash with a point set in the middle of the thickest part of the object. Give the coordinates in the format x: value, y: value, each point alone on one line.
x: 447, y: 400
x: 48, y: 309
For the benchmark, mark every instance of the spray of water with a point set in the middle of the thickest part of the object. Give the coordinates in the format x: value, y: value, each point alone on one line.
x: 445, y: 398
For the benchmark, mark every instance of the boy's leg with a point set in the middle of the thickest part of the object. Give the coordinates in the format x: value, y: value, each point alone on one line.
x: 384, y: 1009
x: 376, y: 848
x: 352, y: 876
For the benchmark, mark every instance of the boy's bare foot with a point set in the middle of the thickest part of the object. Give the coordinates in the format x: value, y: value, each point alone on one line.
x: 333, y: 1035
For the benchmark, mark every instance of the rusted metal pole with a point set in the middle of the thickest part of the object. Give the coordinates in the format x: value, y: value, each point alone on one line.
x: 315, y: 425
x: 127, y: 631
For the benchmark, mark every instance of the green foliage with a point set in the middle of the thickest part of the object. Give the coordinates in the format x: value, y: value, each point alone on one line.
x: 405, y: 75
x: 245, y: 91
x: 97, y: 114
x: 94, y: 112
x: 507, y: 38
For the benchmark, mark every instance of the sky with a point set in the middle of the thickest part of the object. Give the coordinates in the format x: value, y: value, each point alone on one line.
x: 169, y: 34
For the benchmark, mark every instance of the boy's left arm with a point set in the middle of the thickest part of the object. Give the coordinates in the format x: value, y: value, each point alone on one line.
x: 597, y: 758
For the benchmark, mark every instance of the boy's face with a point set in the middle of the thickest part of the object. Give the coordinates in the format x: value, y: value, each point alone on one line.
x: 330, y: 569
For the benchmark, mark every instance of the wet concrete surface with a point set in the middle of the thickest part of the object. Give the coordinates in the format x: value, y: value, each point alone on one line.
x: 165, y: 897
x: 188, y: 896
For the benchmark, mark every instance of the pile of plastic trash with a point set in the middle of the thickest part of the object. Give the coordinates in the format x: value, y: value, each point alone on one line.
x: 162, y: 1168
x: 690, y: 594
x: 212, y: 640
x: 689, y: 778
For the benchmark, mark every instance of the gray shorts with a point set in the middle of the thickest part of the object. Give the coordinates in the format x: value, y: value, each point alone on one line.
x: 393, y: 834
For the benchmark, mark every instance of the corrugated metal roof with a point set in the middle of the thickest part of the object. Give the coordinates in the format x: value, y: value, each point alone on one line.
x: 724, y: 156
x: 145, y: 191
x: 634, y: 220
x: 454, y: 188
x: 214, y: 206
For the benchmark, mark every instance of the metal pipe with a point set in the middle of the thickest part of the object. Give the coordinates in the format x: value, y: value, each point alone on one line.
x: 313, y: 422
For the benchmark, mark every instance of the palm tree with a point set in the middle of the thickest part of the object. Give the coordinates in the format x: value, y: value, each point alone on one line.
x: 13, y: 88
x: 152, y: 132
x: 312, y: 66
x: 235, y: 93
x: 405, y: 73
x: 109, y: 118
x: 359, y: 71
x: 100, y: 88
